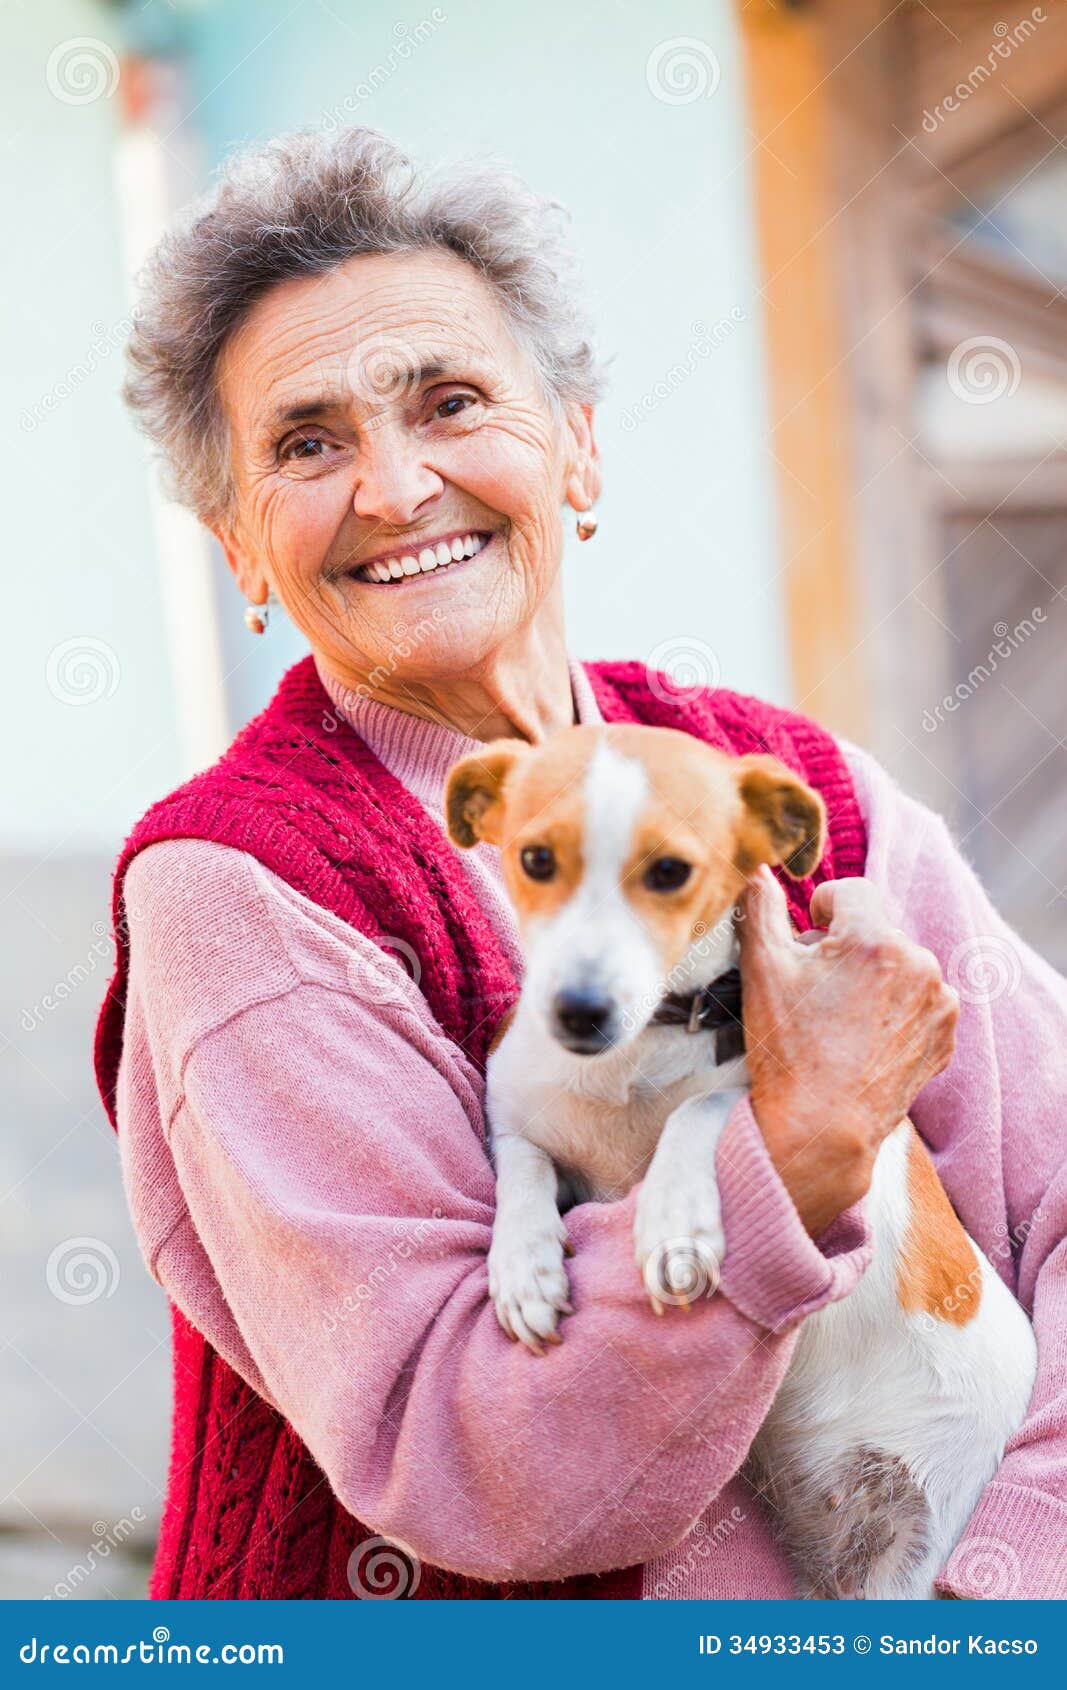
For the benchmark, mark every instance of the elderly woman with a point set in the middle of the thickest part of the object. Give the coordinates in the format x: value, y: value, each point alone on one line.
x: 378, y: 393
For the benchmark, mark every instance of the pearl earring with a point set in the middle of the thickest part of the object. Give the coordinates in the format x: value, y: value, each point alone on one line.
x: 257, y: 616
x: 586, y: 525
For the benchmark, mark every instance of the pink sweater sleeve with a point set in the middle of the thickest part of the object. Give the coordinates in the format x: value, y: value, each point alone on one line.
x: 995, y: 1122
x: 328, y: 1230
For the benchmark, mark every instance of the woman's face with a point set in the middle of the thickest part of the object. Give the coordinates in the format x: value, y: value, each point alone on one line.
x: 377, y: 412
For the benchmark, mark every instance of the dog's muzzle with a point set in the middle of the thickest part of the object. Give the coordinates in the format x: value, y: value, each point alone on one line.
x: 584, y: 1021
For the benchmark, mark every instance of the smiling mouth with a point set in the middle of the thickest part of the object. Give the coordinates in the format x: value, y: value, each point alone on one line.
x: 431, y: 559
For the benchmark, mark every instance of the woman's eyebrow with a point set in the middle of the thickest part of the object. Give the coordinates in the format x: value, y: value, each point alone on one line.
x: 335, y: 399
x: 310, y: 405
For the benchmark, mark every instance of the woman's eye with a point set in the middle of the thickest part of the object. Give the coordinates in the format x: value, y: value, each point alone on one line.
x: 453, y: 406
x: 305, y: 447
x: 538, y: 862
x: 666, y: 874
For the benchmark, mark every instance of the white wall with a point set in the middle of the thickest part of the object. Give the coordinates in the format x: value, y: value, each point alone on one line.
x: 88, y: 703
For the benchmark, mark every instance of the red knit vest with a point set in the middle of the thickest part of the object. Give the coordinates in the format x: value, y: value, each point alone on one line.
x: 249, y: 1513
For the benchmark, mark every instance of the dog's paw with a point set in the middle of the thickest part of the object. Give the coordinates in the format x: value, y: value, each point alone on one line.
x: 528, y: 1282
x: 678, y: 1239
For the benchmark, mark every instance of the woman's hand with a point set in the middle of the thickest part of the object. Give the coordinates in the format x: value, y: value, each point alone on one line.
x: 841, y: 1034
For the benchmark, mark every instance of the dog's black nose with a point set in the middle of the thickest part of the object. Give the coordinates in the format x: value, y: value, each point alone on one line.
x: 585, y: 1020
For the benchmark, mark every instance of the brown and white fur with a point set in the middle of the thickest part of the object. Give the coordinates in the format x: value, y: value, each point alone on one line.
x: 898, y: 1401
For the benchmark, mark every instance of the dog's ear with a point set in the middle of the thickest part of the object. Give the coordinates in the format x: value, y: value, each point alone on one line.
x: 474, y: 792
x: 784, y: 820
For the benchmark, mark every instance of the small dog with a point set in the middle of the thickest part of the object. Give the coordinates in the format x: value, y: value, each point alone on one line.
x: 625, y: 850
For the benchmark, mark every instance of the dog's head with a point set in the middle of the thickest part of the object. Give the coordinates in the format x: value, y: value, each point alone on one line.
x: 622, y: 848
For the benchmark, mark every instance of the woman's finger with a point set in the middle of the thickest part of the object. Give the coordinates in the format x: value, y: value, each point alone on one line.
x: 765, y: 917
x: 848, y: 905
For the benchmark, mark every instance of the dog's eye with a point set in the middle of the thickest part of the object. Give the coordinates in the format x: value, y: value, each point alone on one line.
x: 666, y: 874
x: 538, y: 861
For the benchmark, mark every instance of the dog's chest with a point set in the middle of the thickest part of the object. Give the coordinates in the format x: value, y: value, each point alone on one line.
x: 602, y: 1123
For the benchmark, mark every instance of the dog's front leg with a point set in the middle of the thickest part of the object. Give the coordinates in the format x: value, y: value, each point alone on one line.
x: 678, y: 1225
x: 527, y: 1279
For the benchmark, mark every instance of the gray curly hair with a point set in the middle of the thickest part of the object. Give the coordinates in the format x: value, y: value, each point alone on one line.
x: 298, y: 206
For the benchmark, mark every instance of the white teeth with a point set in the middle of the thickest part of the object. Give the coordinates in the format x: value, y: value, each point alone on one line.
x: 431, y: 557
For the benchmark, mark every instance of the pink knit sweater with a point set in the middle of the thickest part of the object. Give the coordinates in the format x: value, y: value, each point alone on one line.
x: 286, y: 1231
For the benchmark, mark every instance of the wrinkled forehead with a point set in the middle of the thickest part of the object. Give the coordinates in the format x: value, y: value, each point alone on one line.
x: 635, y: 782
x: 380, y: 323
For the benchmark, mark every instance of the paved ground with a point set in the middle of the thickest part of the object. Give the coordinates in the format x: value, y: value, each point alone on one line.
x: 84, y: 1356
x: 39, y: 1567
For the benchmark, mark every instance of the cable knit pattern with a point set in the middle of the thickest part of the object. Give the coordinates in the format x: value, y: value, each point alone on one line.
x: 249, y: 1514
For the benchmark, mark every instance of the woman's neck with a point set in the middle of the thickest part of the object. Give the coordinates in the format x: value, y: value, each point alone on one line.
x: 521, y: 690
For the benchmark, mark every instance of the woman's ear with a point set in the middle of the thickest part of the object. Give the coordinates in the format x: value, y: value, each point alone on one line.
x: 784, y: 820
x: 584, y: 480
x: 252, y: 582
x: 474, y: 792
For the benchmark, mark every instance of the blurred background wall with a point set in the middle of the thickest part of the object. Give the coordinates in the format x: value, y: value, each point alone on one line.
x: 825, y: 244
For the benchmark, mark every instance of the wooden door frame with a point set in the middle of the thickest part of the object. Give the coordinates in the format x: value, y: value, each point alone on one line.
x: 861, y: 282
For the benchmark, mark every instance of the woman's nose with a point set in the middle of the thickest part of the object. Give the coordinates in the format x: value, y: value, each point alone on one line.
x: 393, y: 482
